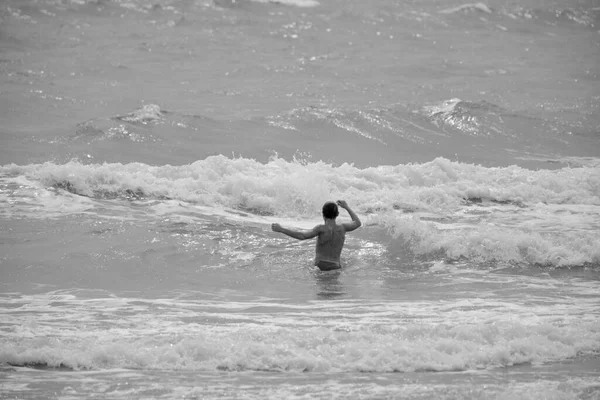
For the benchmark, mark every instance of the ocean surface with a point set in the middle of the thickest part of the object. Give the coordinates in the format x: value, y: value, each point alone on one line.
x: 146, y: 146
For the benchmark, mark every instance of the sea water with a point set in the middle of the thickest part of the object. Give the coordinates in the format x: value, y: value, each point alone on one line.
x: 146, y: 146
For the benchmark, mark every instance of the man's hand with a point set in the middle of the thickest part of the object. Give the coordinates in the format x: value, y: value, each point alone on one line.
x: 276, y: 227
x: 355, y: 220
x: 343, y: 204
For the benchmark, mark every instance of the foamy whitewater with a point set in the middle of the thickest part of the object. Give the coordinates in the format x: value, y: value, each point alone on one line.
x: 148, y: 145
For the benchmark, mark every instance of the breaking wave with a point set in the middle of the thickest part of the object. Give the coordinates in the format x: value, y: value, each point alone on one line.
x: 510, y: 215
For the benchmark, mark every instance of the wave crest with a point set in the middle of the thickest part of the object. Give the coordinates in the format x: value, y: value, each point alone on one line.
x: 406, y: 348
x: 509, y: 215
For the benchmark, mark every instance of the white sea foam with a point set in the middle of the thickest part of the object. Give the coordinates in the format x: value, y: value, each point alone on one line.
x: 491, y: 243
x: 293, y: 188
x: 511, y: 214
x: 345, y: 336
x: 395, y: 387
x: 247, y: 346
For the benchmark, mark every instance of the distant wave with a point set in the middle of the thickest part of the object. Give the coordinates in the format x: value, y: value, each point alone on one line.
x: 467, y: 7
x: 149, y: 113
x: 364, y: 124
x: 584, y: 16
x: 121, y: 127
x: 297, y: 3
x: 366, y: 136
x: 587, y: 17
x: 479, y: 118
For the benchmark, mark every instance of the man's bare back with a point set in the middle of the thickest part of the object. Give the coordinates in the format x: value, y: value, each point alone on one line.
x: 330, y: 242
x: 330, y: 235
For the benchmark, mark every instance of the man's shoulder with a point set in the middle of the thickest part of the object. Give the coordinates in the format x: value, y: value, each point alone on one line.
x: 328, y: 228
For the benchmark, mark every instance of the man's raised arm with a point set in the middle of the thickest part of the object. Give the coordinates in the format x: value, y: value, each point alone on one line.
x: 296, y: 233
x: 355, y: 220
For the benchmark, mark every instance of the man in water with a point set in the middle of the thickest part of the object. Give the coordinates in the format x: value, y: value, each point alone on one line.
x: 330, y: 235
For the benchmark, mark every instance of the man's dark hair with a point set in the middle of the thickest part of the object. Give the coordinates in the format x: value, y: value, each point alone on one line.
x: 330, y: 210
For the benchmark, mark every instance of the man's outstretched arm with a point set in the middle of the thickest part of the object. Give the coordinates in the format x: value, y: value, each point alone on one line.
x: 355, y: 220
x: 296, y: 233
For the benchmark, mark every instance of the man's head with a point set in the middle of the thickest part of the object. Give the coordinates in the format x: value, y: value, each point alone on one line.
x: 330, y: 210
